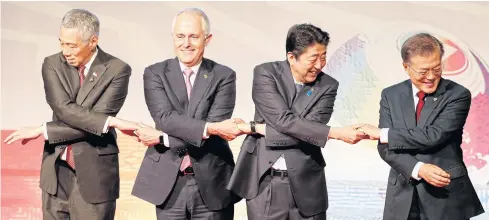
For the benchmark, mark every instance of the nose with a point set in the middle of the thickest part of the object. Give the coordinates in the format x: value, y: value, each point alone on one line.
x: 430, y: 75
x: 66, y: 51
x: 318, y: 65
x: 186, y: 42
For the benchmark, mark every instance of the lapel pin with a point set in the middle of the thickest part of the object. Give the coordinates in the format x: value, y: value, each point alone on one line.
x: 91, y: 79
x: 434, y: 99
x: 205, y: 76
x: 309, y: 92
x: 94, y: 74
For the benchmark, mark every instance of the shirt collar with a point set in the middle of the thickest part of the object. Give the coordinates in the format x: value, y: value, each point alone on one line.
x: 195, y: 68
x: 90, y: 62
x: 295, y: 81
x: 415, y: 90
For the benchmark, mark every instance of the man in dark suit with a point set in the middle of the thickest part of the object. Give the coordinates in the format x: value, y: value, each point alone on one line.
x: 85, y: 87
x: 421, y: 121
x: 280, y: 169
x: 191, y: 99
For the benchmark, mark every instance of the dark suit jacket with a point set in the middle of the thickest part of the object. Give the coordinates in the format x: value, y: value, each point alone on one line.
x: 212, y: 100
x: 79, y: 115
x: 296, y: 128
x: 435, y: 140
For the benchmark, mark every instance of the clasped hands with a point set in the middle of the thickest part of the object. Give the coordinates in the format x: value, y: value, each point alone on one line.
x: 352, y: 134
x: 228, y: 129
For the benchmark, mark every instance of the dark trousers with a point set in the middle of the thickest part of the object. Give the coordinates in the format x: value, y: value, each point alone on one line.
x: 417, y: 212
x: 275, y: 202
x: 185, y: 202
x: 68, y: 203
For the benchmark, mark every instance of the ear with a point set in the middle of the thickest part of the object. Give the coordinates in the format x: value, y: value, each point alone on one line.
x: 93, y: 42
x: 208, y: 39
x: 405, y: 66
x: 290, y: 57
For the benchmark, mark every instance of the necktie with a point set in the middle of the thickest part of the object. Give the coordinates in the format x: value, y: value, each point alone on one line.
x: 187, y: 72
x: 70, y: 159
x: 298, y: 89
x: 421, y: 95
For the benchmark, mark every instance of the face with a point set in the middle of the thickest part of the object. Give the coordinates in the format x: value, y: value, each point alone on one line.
x: 189, y: 39
x: 74, y: 49
x: 309, y: 64
x: 425, y: 71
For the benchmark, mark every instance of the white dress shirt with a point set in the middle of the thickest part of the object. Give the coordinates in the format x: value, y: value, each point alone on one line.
x: 195, y: 69
x: 384, y: 135
x: 85, y: 72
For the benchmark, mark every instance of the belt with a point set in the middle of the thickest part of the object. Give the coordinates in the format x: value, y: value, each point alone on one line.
x: 280, y: 173
x: 187, y: 171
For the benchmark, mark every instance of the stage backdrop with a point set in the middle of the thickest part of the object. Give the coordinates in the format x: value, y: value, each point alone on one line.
x: 363, y: 56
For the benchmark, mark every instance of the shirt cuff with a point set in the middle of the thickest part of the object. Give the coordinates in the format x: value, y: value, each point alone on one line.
x: 204, y: 135
x: 384, y: 135
x: 166, y: 141
x: 415, y: 173
x: 45, y: 131
x: 106, y: 126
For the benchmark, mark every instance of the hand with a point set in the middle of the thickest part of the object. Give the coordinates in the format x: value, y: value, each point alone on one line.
x: 434, y: 175
x: 238, y: 120
x: 372, y: 132
x: 25, y: 134
x: 127, y: 127
x: 226, y: 129
x: 148, y: 135
x: 347, y: 134
x: 244, y: 127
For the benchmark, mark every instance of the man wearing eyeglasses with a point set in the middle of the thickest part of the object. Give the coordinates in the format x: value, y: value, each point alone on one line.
x: 420, y: 132
x: 191, y: 99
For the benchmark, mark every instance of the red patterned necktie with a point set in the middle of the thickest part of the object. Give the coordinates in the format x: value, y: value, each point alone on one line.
x: 421, y: 95
x: 187, y: 72
x: 70, y: 159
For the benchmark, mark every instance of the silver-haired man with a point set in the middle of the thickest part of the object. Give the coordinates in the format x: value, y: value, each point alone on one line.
x: 191, y: 99
x: 85, y: 87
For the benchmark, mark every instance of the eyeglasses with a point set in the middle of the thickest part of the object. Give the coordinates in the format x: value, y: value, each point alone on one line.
x: 436, y: 71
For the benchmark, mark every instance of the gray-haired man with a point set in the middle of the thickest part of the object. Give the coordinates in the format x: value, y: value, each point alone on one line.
x: 191, y: 99
x: 85, y: 87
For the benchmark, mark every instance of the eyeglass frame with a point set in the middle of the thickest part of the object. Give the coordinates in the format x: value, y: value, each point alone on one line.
x: 429, y: 70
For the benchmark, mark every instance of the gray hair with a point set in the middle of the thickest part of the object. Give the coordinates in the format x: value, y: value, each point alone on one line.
x: 206, y: 24
x: 86, y: 23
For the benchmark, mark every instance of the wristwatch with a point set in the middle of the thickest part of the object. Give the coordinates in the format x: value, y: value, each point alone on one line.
x: 252, y: 125
x: 161, y: 140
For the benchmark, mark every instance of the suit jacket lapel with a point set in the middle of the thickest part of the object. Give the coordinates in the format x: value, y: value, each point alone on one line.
x: 71, y: 76
x: 288, y: 82
x: 202, y: 81
x: 176, y: 78
x: 407, y: 105
x: 95, y: 72
x: 431, y: 104
x: 307, y: 94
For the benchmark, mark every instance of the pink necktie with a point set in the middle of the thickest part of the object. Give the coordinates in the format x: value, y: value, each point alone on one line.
x: 187, y: 72
x: 70, y: 159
